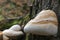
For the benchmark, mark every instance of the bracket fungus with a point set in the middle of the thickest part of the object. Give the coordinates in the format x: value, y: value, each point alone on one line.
x: 15, y: 30
x: 45, y: 23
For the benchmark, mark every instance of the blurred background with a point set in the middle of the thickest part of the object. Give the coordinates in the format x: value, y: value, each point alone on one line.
x: 13, y: 12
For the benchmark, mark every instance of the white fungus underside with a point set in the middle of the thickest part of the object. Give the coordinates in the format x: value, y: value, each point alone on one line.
x: 12, y: 33
x: 41, y: 29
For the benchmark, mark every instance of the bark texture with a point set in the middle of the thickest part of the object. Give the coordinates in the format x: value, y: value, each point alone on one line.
x: 39, y: 5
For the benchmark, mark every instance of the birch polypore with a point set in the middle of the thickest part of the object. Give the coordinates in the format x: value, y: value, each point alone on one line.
x: 45, y: 23
x: 15, y: 30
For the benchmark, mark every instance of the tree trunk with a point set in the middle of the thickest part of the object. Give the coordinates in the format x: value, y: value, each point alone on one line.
x: 46, y: 4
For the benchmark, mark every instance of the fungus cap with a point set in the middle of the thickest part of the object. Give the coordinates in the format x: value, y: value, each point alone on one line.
x: 45, y: 23
x: 15, y: 28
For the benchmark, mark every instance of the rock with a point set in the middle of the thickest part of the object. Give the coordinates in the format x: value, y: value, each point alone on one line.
x: 45, y: 23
